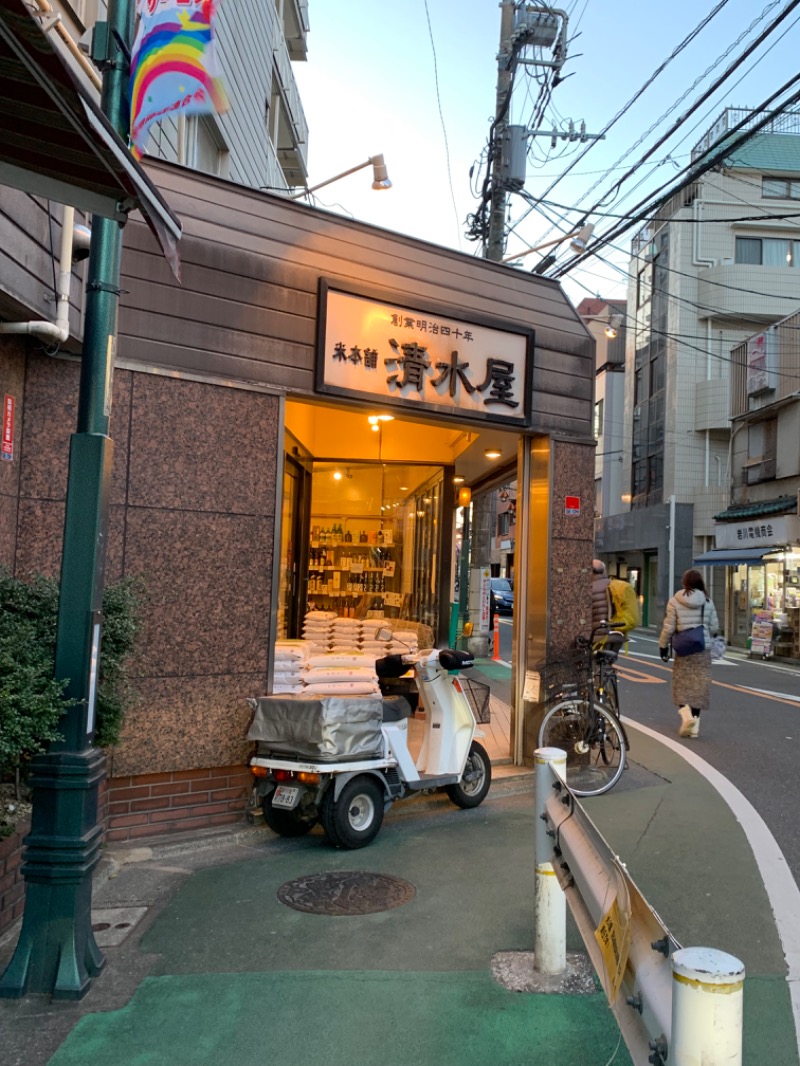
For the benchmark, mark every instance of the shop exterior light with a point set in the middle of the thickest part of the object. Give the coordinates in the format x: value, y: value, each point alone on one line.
x: 464, y: 496
x: 492, y: 453
x: 380, y: 177
x: 578, y: 240
x: 458, y: 479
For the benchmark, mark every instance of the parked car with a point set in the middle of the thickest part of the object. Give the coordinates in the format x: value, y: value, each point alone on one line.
x: 502, y: 596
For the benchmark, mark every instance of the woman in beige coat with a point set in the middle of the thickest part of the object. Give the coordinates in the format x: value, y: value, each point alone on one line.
x: 691, y: 674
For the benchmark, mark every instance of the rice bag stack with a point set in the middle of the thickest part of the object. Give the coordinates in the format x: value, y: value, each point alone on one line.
x: 318, y: 629
x: 403, y: 642
x: 291, y: 657
x: 341, y: 675
x: 346, y: 635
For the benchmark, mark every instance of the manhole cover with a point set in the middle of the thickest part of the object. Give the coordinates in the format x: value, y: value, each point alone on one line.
x: 346, y: 892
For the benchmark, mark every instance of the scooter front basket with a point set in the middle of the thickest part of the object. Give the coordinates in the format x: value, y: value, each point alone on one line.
x: 478, y: 696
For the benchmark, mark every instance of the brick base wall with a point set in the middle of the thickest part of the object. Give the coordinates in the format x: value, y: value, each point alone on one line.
x: 12, y: 887
x: 137, y: 807
x: 177, y: 801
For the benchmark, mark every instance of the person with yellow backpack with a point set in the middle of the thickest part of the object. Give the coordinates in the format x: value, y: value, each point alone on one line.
x: 613, y: 601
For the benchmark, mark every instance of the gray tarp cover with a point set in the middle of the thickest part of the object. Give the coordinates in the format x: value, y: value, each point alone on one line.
x: 323, y: 728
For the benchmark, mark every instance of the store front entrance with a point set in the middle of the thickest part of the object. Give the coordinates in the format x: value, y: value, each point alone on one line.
x: 370, y: 525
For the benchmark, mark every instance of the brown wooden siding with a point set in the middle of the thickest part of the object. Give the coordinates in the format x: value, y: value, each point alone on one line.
x: 246, y: 311
x: 29, y: 247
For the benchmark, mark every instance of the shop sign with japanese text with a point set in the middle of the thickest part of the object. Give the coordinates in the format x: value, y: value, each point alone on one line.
x: 769, y: 532
x: 397, y: 355
x: 7, y: 446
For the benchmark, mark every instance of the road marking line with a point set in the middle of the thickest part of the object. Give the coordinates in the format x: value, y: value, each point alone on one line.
x: 790, y: 701
x: 780, y: 885
x: 785, y: 695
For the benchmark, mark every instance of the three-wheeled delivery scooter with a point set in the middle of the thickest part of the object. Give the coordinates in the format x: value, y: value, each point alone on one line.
x: 343, y: 761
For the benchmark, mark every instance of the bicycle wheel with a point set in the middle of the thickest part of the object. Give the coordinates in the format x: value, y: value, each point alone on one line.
x: 594, y: 743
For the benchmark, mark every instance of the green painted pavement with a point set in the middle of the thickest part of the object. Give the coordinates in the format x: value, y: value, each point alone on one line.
x: 473, y: 875
x: 496, y: 671
x: 344, y: 1019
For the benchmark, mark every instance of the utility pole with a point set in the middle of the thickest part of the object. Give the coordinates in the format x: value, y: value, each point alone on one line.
x: 522, y: 25
x: 496, y: 241
x: 57, y: 953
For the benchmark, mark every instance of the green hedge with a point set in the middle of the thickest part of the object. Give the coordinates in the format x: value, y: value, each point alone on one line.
x: 31, y: 700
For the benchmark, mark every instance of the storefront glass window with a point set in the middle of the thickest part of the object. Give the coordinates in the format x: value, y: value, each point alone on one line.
x: 375, y: 540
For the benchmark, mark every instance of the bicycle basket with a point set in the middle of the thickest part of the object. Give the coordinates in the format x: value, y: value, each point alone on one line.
x: 478, y: 698
x: 558, y: 677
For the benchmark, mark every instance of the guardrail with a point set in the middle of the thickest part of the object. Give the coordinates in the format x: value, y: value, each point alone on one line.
x: 681, y: 1006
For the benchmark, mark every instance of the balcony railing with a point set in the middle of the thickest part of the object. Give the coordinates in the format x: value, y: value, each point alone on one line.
x: 788, y: 122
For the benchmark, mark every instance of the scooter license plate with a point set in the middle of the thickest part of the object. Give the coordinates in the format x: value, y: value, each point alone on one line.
x: 285, y: 796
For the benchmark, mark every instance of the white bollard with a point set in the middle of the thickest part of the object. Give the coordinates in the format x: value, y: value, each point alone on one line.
x: 550, y: 903
x: 707, y: 1001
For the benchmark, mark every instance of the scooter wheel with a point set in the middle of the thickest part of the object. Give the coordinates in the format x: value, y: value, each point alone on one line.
x: 354, y: 819
x: 286, y: 823
x: 476, y: 780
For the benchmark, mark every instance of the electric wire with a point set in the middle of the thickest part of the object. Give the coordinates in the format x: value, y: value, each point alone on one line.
x: 441, y: 120
x: 783, y: 14
x: 626, y: 107
x: 735, y: 138
x: 703, y: 119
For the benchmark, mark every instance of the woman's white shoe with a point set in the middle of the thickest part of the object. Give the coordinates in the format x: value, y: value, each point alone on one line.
x: 686, y: 727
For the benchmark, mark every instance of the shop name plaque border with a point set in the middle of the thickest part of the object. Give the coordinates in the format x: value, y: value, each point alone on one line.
x: 373, y: 347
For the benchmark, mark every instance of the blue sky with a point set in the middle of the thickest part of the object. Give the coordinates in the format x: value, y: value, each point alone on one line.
x: 370, y: 86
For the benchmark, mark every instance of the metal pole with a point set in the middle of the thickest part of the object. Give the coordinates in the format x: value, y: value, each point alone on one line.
x: 57, y: 953
x: 550, y: 903
x: 671, y: 575
x: 707, y: 1005
x: 463, y: 570
x: 496, y: 241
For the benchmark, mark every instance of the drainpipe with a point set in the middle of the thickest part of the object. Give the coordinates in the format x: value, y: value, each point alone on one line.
x: 58, y: 330
x: 671, y: 574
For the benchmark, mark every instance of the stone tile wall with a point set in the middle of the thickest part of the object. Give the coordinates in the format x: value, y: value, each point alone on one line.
x: 192, y: 514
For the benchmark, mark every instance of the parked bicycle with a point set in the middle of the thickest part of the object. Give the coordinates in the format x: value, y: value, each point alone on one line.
x: 582, y: 716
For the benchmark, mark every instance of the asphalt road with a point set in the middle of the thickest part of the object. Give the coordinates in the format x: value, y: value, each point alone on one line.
x: 751, y: 733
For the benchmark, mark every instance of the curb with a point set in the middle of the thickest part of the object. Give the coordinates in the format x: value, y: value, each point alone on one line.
x: 115, y: 856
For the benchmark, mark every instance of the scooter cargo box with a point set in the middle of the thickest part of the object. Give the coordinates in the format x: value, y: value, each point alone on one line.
x: 324, y: 729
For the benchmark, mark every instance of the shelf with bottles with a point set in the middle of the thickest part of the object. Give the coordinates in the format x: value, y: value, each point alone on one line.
x: 339, y: 534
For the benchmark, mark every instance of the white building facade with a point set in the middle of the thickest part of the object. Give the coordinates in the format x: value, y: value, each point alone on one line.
x: 714, y: 266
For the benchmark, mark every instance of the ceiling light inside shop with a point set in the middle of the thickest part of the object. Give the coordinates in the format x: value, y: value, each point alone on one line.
x: 492, y: 453
x: 458, y: 479
x: 337, y: 475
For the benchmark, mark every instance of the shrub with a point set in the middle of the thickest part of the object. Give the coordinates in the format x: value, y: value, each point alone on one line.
x: 31, y: 699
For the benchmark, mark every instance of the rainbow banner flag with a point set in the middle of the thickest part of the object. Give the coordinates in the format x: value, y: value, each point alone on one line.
x: 174, y: 65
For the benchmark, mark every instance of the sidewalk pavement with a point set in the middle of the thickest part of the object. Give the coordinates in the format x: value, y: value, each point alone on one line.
x: 206, y: 966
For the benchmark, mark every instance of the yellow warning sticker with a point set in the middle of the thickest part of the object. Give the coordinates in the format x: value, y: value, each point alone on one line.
x: 613, y: 937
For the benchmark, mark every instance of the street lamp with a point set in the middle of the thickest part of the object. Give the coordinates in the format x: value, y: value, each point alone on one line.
x: 578, y: 239
x: 380, y: 177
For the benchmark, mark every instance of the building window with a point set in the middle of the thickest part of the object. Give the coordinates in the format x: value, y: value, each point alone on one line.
x: 762, y: 439
x: 86, y: 10
x: 598, y: 497
x: 205, y: 149
x: 503, y: 523
x: 767, y: 251
x: 598, y: 420
x: 780, y: 189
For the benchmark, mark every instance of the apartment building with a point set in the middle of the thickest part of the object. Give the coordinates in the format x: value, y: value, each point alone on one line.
x: 757, y: 537
x: 716, y: 264
x: 261, y: 141
x: 606, y: 321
